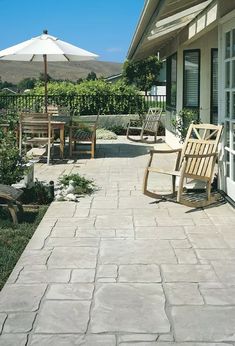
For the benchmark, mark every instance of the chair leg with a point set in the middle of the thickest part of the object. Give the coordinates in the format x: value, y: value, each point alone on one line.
x: 70, y: 148
x: 173, y: 183
x: 145, y: 182
x: 208, y: 191
x: 180, y: 188
x: 92, y: 149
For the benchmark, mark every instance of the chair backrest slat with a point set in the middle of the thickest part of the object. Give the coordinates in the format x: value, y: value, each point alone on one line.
x: 34, y: 124
x: 152, y: 119
x: 201, y: 139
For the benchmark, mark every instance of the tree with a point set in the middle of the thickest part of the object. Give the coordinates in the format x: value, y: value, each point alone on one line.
x: 26, y: 83
x: 79, y: 80
x: 6, y: 84
x: 91, y: 76
x: 143, y: 73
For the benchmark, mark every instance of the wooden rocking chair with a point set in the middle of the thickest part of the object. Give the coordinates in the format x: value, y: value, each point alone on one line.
x: 9, y: 198
x: 147, y: 127
x: 196, y: 160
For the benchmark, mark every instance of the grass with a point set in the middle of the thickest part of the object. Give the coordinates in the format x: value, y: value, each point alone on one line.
x: 14, y: 238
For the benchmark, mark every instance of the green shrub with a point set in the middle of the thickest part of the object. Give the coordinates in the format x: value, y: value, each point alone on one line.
x: 183, y: 120
x: 38, y: 194
x: 118, y: 129
x: 93, y: 96
x: 12, y: 166
x: 81, y: 184
x: 105, y: 134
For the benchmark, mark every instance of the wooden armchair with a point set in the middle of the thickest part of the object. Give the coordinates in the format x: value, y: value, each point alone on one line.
x: 55, y: 110
x: 196, y: 161
x: 83, y: 133
x: 146, y: 127
x: 35, y: 131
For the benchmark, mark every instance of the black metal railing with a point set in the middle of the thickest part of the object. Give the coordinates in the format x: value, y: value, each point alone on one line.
x: 85, y: 104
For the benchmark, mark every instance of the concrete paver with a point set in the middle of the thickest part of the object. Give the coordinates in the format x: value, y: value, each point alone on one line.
x: 204, y: 323
x: 137, y: 308
x: 63, y: 317
x: 21, y: 322
x: 118, y: 269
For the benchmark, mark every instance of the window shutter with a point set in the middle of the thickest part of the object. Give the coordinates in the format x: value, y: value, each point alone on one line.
x: 191, y: 78
x: 214, y: 87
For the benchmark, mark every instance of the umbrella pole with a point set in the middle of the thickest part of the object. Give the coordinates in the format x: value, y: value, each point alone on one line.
x: 45, y: 80
x: 49, y: 119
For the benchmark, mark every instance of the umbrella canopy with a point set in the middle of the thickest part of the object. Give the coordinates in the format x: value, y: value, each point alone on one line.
x: 46, y: 48
x: 55, y: 50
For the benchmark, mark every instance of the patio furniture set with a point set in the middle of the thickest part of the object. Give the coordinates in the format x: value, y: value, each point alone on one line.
x: 194, y: 161
x: 37, y: 129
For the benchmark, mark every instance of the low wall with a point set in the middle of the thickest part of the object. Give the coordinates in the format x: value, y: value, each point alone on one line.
x: 107, y: 121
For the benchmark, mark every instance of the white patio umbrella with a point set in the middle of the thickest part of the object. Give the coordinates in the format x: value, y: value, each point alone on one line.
x: 46, y: 48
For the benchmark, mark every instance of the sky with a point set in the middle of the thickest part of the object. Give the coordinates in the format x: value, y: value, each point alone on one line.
x: 104, y: 27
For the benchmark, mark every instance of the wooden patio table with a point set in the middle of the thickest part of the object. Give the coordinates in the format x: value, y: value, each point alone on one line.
x: 55, y: 125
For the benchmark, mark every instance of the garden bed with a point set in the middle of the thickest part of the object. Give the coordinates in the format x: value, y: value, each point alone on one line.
x: 14, y: 238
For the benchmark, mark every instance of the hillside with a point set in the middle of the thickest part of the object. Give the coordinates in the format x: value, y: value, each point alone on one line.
x: 14, y: 72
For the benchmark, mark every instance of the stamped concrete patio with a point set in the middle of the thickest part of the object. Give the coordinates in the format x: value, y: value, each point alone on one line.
x: 118, y: 269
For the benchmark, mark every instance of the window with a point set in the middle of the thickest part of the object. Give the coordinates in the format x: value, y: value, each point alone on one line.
x: 191, y: 87
x: 214, y: 86
x: 171, y: 81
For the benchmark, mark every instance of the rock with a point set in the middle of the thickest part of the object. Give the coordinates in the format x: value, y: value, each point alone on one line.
x: 71, y: 197
x: 70, y: 189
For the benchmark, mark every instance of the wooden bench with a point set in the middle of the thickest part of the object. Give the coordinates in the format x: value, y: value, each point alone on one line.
x: 9, y: 197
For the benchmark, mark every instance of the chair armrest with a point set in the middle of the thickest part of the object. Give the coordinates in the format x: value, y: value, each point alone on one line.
x: 135, y: 122
x: 170, y: 151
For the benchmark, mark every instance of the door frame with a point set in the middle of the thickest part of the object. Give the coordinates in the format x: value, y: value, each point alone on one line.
x: 227, y: 182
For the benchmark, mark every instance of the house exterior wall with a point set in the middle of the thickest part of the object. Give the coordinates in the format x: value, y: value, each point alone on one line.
x: 205, y: 44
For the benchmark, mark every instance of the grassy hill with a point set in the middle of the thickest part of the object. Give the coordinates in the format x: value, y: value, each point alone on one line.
x: 14, y: 72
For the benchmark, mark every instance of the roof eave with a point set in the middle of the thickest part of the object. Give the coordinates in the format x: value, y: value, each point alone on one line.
x: 150, y: 11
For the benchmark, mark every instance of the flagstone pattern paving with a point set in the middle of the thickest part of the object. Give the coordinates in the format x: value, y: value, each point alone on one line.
x: 118, y: 269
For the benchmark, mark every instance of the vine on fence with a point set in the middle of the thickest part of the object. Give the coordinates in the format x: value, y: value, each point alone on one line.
x: 86, y: 98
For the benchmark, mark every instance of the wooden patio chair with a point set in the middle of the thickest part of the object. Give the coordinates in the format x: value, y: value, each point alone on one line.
x: 146, y: 127
x: 35, y: 131
x: 55, y: 110
x: 196, y: 161
x: 9, y: 198
x: 83, y: 133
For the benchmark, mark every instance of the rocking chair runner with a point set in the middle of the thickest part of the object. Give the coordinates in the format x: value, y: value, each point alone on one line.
x: 148, y: 126
x: 196, y: 160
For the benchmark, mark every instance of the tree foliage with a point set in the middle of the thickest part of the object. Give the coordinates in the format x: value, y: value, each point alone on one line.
x: 142, y: 73
x: 91, y: 76
x: 11, y: 164
x: 26, y: 83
